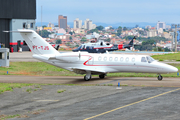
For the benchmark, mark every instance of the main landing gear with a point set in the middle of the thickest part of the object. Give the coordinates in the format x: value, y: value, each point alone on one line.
x: 159, y: 77
x: 87, y: 77
x: 102, y: 76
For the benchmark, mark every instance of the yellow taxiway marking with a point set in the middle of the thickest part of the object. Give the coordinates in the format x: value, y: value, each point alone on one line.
x: 47, y: 100
x: 131, y: 104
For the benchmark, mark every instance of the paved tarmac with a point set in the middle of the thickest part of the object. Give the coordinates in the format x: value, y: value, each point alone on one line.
x: 127, y: 81
x: 92, y: 103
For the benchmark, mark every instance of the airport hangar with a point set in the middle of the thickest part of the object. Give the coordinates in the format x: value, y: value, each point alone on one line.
x: 16, y: 14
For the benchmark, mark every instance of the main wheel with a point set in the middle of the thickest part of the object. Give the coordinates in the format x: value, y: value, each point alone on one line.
x: 86, y: 78
x: 101, y: 76
x: 159, y: 77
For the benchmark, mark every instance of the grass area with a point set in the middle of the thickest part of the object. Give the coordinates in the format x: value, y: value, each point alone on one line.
x: 171, y: 56
x: 34, y: 68
x: 44, y: 69
x: 10, y: 86
x: 60, y: 91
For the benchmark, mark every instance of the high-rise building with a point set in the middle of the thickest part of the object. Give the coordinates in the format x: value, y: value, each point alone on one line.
x: 161, y: 25
x: 62, y: 21
x: 77, y: 23
x: 89, y: 25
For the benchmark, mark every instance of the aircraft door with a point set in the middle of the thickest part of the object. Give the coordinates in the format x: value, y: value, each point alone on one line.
x: 91, y: 61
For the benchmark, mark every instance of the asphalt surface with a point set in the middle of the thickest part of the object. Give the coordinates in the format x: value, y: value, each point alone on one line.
x: 126, y: 81
x: 92, y: 102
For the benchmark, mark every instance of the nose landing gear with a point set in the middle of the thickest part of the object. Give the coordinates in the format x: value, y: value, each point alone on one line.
x: 159, y: 77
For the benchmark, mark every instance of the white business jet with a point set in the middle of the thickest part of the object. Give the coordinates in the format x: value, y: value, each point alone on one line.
x: 93, y: 63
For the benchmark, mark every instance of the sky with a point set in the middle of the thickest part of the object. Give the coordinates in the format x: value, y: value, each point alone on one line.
x: 110, y: 11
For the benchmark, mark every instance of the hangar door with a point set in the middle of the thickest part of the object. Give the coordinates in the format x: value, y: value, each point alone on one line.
x: 4, y: 37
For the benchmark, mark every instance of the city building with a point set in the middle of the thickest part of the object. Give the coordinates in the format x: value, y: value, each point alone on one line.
x: 51, y: 25
x: 77, y: 23
x: 152, y: 32
x: 89, y: 25
x: 62, y: 21
x: 16, y: 15
x: 148, y: 27
x: 161, y: 25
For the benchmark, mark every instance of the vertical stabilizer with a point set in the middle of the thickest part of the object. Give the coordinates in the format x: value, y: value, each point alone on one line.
x: 36, y: 43
x: 131, y: 42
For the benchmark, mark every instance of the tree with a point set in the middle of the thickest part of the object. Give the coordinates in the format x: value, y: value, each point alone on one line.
x: 119, y: 30
x: 45, y: 33
x: 83, y: 40
x: 111, y: 28
x: 125, y: 28
x: 100, y: 27
x: 70, y: 33
x: 93, y: 30
x: 136, y: 26
x: 130, y: 37
x: 107, y: 40
x: 44, y: 26
x: 58, y: 41
x: 67, y: 44
x: 70, y: 38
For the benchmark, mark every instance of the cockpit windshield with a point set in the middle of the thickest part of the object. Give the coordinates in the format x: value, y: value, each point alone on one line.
x: 149, y: 59
x: 79, y: 47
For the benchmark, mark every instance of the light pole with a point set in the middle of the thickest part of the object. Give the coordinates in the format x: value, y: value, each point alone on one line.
x: 175, y: 25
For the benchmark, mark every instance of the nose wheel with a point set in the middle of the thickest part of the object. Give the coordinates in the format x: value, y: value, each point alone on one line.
x: 159, y: 77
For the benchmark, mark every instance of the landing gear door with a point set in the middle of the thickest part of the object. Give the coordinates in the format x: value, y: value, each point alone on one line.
x: 91, y: 61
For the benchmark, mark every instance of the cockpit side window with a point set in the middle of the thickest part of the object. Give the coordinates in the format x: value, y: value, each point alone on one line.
x: 107, y: 44
x: 143, y: 59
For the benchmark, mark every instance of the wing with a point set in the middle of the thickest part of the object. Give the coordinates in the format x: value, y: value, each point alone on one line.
x: 83, y: 71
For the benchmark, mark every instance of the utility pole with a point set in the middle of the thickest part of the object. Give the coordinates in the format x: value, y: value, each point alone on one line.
x: 172, y: 41
x: 41, y: 21
x: 175, y: 25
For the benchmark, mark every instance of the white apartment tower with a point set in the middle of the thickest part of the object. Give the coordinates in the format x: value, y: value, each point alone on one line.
x: 89, y: 25
x: 51, y: 25
x: 77, y: 23
x: 161, y: 25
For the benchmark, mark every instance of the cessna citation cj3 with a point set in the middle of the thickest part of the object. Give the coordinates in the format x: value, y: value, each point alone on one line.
x: 93, y: 63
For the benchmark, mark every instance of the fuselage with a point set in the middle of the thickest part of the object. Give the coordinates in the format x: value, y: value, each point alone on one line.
x: 109, y: 63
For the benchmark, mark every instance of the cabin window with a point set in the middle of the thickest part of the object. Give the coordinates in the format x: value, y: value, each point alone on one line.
x: 143, y: 59
x: 99, y: 58
x: 101, y: 43
x: 127, y: 59
x: 121, y: 59
x: 133, y: 59
x: 116, y: 59
x: 110, y: 59
x: 105, y: 58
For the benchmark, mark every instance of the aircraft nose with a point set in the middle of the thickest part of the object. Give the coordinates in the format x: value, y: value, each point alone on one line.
x: 173, y: 69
